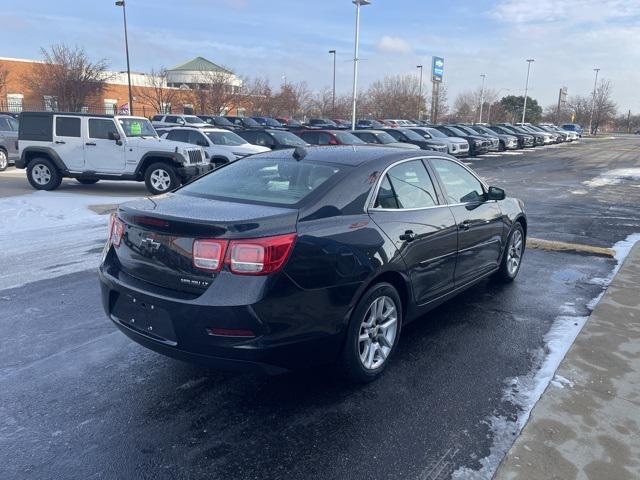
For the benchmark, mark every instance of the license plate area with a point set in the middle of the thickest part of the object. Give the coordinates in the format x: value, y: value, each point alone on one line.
x: 145, y: 317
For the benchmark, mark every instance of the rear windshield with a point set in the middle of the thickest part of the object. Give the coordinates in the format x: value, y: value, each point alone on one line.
x: 279, y: 181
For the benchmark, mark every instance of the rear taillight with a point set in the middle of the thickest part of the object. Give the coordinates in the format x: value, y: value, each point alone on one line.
x: 260, y: 256
x: 116, y: 230
x: 209, y: 254
x: 256, y: 256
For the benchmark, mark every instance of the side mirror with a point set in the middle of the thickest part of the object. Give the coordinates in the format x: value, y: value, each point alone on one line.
x: 201, y: 143
x: 180, y: 121
x: 114, y: 136
x: 496, y: 193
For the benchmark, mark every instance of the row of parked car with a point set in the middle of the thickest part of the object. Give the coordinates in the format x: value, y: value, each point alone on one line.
x: 240, y: 136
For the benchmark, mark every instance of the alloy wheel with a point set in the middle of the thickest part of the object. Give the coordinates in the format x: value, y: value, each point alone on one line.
x: 514, y: 254
x: 41, y: 174
x: 3, y: 160
x: 377, y: 332
x: 160, y: 180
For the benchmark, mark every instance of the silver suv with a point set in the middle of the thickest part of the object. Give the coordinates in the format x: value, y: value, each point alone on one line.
x: 90, y: 148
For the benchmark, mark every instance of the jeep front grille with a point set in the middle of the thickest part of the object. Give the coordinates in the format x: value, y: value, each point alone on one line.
x: 195, y: 156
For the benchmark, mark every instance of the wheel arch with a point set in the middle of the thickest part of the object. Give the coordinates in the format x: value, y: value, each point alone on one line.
x: 394, y: 278
x: 31, y: 153
x: 150, y: 158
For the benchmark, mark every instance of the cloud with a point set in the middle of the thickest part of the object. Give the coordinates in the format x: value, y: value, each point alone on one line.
x: 568, y: 12
x: 389, y: 44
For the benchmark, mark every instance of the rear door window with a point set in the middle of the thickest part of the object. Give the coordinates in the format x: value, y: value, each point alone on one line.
x: 411, y: 186
x: 197, y: 138
x: 178, y: 136
x: 67, y: 126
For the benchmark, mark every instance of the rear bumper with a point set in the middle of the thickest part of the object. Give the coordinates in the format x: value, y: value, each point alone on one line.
x: 281, y: 342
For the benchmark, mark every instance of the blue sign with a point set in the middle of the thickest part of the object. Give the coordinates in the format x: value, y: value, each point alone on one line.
x: 437, y: 69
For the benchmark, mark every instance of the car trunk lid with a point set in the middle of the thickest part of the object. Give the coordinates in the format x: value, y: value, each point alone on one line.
x: 159, y: 232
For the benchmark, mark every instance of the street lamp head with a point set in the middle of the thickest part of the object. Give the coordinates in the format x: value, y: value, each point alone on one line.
x: 332, y: 51
x: 531, y: 60
x: 418, y: 66
x: 361, y: 3
x: 120, y: 3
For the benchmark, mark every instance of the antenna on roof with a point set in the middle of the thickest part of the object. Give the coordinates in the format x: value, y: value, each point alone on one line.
x: 299, y: 153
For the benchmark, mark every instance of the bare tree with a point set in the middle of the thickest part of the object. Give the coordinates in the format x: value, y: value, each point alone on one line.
x: 258, y: 95
x: 68, y: 76
x: 580, y: 108
x: 293, y: 100
x: 4, y: 76
x: 394, y: 97
x: 155, y: 93
x: 604, y: 108
x: 465, y: 106
x: 216, y: 92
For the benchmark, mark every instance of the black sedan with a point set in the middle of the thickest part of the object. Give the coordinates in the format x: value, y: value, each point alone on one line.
x: 274, y: 139
x: 218, y: 121
x: 312, y: 256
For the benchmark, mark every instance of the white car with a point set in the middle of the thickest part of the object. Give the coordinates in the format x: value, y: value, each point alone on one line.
x: 177, y: 120
x: 222, y: 146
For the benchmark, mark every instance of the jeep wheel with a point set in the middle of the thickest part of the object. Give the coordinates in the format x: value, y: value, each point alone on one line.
x: 87, y: 181
x: 43, y: 174
x: 3, y: 160
x: 161, y: 178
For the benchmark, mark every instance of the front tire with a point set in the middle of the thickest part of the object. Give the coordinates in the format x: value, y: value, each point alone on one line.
x: 512, y: 256
x: 161, y: 178
x: 4, y: 160
x: 43, y: 174
x: 373, y: 333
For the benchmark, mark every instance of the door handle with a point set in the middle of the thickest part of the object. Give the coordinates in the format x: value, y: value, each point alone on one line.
x: 60, y: 142
x: 91, y: 143
x: 408, y: 236
x: 466, y: 225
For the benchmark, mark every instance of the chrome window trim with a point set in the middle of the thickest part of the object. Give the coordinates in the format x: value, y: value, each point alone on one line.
x: 374, y: 192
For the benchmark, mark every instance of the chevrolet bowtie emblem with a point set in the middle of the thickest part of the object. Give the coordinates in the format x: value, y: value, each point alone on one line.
x: 149, y: 244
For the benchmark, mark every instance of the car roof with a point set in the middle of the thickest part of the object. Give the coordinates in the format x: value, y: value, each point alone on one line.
x: 352, y: 155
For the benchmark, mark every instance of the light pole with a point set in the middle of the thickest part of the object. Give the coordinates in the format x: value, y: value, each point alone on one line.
x: 358, y: 4
x: 420, y: 94
x: 121, y: 3
x: 593, y: 101
x: 482, y: 97
x: 333, y: 95
x: 526, y: 88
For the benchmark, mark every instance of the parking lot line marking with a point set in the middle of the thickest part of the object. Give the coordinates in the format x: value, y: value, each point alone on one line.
x: 555, y: 246
x: 512, y: 153
x: 492, y: 155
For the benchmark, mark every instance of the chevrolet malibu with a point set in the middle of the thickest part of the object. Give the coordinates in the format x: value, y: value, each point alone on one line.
x: 301, y: 257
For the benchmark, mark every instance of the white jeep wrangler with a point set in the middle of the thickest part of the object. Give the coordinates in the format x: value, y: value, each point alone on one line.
x: 89, y: 148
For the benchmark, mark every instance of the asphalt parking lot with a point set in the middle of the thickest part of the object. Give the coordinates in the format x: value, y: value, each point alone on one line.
x: 79, y: 400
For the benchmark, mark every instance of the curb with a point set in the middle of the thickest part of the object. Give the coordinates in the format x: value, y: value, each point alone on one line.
x: 585, y: 425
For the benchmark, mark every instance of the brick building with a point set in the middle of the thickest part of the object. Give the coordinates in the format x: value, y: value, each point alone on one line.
x: 179, y: 84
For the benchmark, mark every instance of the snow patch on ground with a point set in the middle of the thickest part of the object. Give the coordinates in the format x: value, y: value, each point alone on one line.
x: 525, y: 391
x: 48, y: 234
x: 614, y: 177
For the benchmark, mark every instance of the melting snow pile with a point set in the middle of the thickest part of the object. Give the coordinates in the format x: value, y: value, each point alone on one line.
x: 614, y: 177
x: 525, y: 391
x: 45, y: 235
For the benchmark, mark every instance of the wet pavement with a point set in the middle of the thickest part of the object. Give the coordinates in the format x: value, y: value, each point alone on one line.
x: 79, y: 400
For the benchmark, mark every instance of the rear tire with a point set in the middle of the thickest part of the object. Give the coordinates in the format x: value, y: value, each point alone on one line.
x: 161, y: 178
x: 87, y: 181
x: 4, y: 160
x: 43, y: 174
x: 372, y: 334
x: 512, y: 256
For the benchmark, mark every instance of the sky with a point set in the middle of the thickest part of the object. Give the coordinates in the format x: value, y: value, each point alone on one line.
x: 276, y: 38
